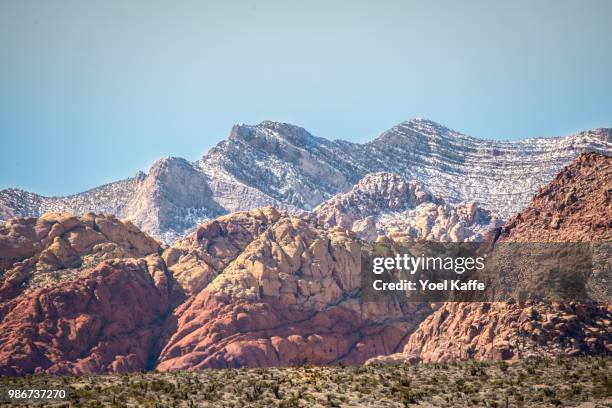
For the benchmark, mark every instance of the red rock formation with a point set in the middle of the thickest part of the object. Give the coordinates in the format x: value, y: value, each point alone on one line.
x: 462, y: 331
x: 291, y: 297
x: 196, y: 259
x: 575, y: 207
x: 38, y: 252
x: 265, y: 289
x: 107, y: 321
x: 221, y: 333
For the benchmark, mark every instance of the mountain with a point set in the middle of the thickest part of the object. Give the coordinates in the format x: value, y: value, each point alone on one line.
x: 386, y: 204
x: 264, y: 288
x: 32, y: 251
x: 574, y: 207
x: 281, y: 165
x: 290, y: 297
x: 80, y: 294
x: 107, y: 320
x: 507, y: 331
x: 258, y: 288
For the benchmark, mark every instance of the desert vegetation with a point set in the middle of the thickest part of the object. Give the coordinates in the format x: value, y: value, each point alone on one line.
x: 584, y: 382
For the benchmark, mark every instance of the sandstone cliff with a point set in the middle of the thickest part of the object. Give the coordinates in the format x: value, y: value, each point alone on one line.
x: 37, y: 252
x: 258, y: 288
x: 105, y: 321
x: 575, y: 207
x: 93, y: 294
x: 291, y: 297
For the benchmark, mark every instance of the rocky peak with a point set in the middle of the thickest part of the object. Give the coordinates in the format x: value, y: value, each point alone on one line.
x: 173, y: 196
x: 291, y: 297
x: 36, y: 252
x: 284, y: 162
x: 279, y: 164
x: 575, y: 206
x: 393, y: 191
x: 420, y: 132
x: 373, y: 194
x: 168, y: 165
x: 266, y: 132
x: 198, y: 258
x: 386, y: 204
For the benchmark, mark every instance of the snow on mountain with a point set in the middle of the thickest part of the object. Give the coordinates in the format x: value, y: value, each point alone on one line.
x: 386, y: 204
x: 283, y: 165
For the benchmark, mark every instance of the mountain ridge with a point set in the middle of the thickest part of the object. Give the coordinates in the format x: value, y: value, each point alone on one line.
x: 283, y: 165
x: 261, y: 288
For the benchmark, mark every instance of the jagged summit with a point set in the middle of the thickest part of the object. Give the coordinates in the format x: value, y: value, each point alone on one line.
x: 283, y: 165
x: 168, y: 164
x: 419, y: 128
x: 270, y: 132
x: 385, y: 204
x: 575, y: 206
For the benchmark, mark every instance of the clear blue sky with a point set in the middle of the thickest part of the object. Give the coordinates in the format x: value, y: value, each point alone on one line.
x: 91, y: 92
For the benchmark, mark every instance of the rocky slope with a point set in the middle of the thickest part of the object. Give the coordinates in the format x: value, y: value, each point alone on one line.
x: 199, y: 257
x: 291, y: 297
x: 386, y: 204
x: 105, y: 321
x: 258, y: 288
x: 38, y: 252
x: 294, y: 167
x: 284, y: 166
x: 506, y: 331
x: 574, y: 207
x: 80, y: 295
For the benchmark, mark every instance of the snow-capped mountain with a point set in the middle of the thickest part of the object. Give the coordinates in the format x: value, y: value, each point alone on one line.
x: 285, y: 166
x: 386, y: 204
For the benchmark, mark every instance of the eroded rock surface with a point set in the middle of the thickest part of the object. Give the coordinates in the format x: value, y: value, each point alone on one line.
x: 199, y: 257
x: 291, y: 297
x: 37, y: 252
x: 503, y: 331
x: 266, y: 288
x: 384, y: 204
x: 105, y: 321
x: 575, y: 207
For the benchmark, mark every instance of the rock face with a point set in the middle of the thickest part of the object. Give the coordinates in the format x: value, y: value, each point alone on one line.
x: 199, y: 257
x: 574, y: 207
x: 277, y: 164
x: 258, y: 288
x: 171, y: 199
x: 106, y: 321
x: 386, y: 204
x: 503, y: 331
x: 80, y: 295
x: 291, y: 297
x: 37, y: 252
